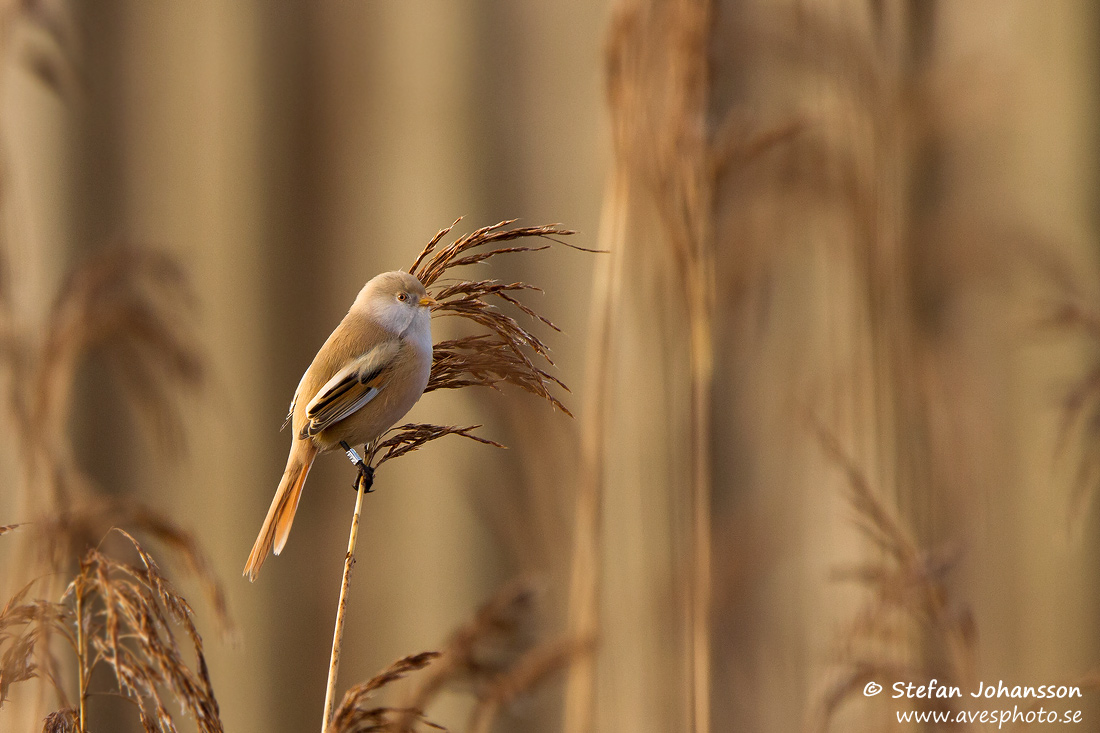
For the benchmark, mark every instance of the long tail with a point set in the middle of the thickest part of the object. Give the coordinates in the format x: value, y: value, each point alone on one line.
x: 280, y: 516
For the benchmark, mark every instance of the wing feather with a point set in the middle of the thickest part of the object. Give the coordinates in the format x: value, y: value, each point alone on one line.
x: 352, y: 387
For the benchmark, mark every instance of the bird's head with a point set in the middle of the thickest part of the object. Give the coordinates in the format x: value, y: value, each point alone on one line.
x: 396, y: 301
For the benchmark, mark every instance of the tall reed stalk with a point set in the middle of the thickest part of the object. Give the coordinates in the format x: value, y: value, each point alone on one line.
x: 658, y: 88
x: 583, y: 619
x: 342, y: 607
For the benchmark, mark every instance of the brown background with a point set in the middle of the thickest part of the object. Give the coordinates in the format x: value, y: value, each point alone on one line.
x: 287, y: 152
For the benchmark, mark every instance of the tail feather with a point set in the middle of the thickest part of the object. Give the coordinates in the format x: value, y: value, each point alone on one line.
x: 280, y: 516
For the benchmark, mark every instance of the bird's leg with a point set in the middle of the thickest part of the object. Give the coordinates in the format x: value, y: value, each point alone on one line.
x: 366, y: 473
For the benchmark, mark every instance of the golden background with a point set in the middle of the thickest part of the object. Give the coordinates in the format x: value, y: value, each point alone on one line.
x: 829, y: 223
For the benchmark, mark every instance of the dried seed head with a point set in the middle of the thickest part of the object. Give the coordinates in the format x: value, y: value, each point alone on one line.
x: 62, y: 721
x: 411, y: 436
x: 486, y: 359
x: 132, y: 303
x: 355, y: 715
x: 124, y: 616
x: 909, y: 599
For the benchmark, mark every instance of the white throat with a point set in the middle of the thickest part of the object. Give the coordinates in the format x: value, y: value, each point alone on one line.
x: 401, y: 320
x: 419, y: 332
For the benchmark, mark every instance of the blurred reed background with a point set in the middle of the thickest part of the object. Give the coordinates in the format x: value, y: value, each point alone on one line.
x: 834, y: 381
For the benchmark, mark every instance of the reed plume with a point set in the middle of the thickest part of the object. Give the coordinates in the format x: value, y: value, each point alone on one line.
x: 485, y: 359
x: 1074, y: 310
x: 127, y: 306
x: 657, y: 87
x: 357, y: 714
x: 495, y: 656
x: 909, y: 602
x: 678, y: 146
x: 131, y: 308
x: 122, y: 616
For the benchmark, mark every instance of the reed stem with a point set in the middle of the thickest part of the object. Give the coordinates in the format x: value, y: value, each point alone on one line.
x: 81, y: 656
x: 583, y: 617
x: 702, y: 387
x: 338, y: 633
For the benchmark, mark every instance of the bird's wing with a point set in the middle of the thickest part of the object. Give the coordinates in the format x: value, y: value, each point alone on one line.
x: 353, y: 386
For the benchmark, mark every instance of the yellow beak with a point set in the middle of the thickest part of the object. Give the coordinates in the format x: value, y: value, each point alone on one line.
x: 427, y: 301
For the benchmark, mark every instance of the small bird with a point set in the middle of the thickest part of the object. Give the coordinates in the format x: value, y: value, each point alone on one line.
x: 367, y: 375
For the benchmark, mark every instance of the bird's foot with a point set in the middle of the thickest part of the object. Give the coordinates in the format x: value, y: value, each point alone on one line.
x: 366, y: 473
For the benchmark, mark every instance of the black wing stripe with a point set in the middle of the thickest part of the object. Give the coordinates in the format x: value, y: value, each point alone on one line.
x: 332, y: 395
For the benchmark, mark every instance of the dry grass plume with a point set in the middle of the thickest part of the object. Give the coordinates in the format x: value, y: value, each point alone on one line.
x: 909, y: 605
x: 120, y: 615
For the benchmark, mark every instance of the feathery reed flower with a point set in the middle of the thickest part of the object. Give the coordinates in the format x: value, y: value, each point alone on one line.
x: 122, y: 616
x: 486, y: 359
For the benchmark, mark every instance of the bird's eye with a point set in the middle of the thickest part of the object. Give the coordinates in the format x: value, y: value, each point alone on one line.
x: 403, y: 297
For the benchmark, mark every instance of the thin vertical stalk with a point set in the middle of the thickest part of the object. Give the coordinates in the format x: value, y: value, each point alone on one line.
x: 702, y: 370
x: 659, y: 81
x: 685, y: 190
x: 81, y: 655
x: 584, y: 608
x: 338, y: 632
x: 687, y: 183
